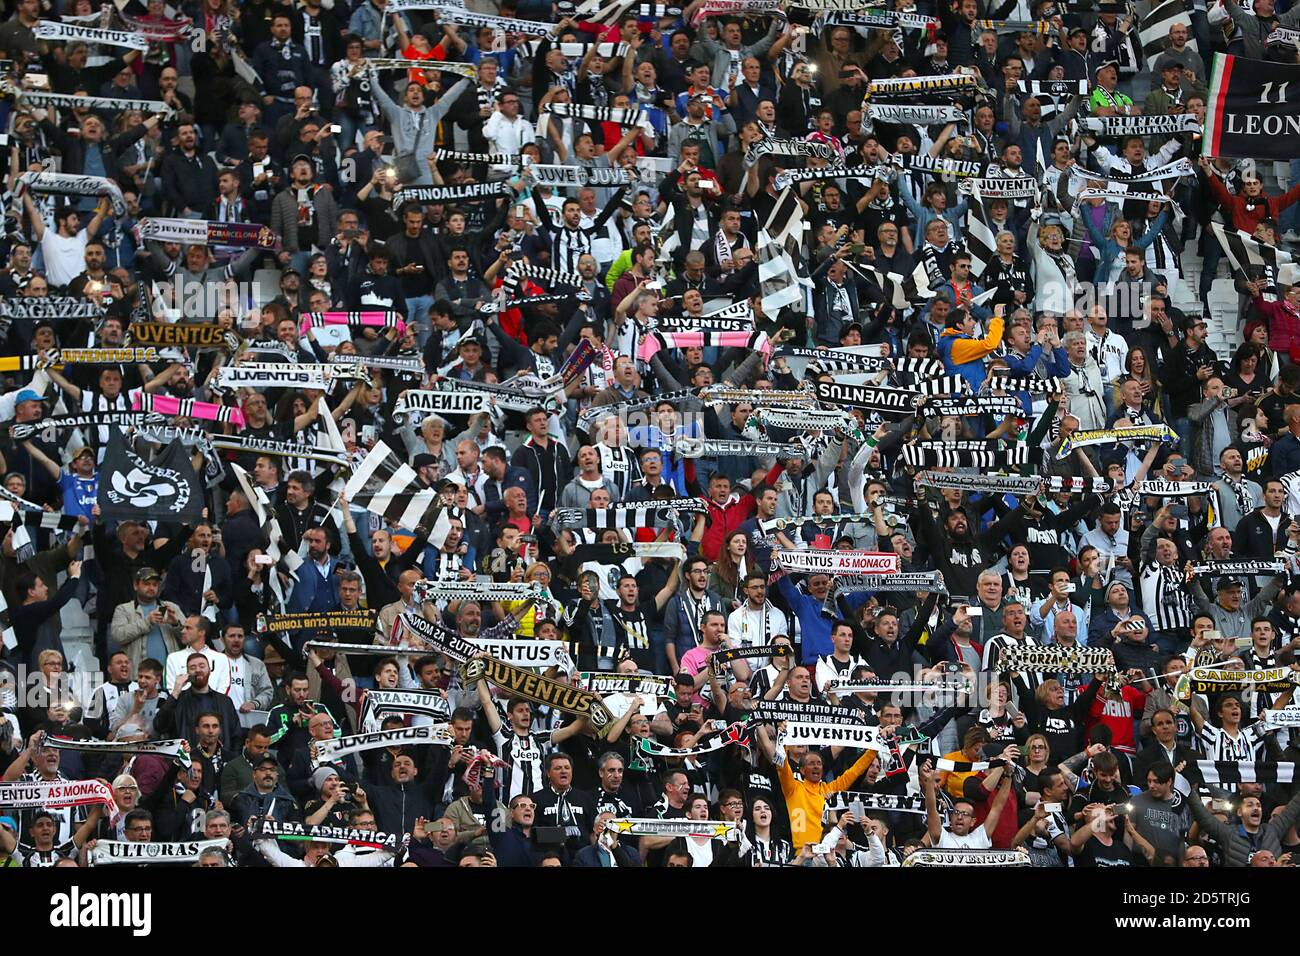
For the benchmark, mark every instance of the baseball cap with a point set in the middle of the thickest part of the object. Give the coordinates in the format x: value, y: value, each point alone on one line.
x: 267, y: 759
x: 422, y: 459
x: 1105, y: 63
x: 304, y: 158
x: 28, y: 395
x: 1170, y: 65
x: 1227, y: 582
x: 10, y: 823
x: 147, y: 574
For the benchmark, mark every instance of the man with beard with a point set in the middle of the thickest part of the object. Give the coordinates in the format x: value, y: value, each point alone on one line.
x: 179, y: 713
x: 956, y: 551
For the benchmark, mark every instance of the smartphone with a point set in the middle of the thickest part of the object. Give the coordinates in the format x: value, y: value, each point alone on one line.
x: 1242, y: 642
x: 1214, y: 635
x: 1069, y: 588
x: 847, y: 74
x: 857, y: 248
x: 368, y: 434
x: 1052, y: 807
x: 976, y: 611
x: 859, y: 813
x: 1134, y: 625
x: 335, y: 128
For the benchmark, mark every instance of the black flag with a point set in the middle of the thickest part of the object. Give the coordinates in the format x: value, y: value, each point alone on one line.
x: 1252, y: 109
x: 164, y: 490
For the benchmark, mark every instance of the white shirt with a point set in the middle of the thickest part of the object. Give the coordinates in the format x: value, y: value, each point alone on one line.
x: 219, y: 680
x: 977, y: 839
x: 238, y: 692
x: 65, y: 256
x: 507, y: 136
x: 755, y: 628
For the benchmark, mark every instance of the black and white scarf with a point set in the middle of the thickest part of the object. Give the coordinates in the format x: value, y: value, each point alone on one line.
x: 105, y: 104
x: 1055, y: 659
x: 1145, y: 124
x: 72, y: 184
x: 940, y: 165
x: 627, y: 117
x: 1001, y: 187
x: 110, y: 852
x: 65, y: 32
x: 491, y: 159
x: 430, y: 194
x: 921, y: 114
x: 329, y: 751
x: 927, y: 857
x: 1239, y: 568
x: 789, y: 147
x: 966, y: 454
x: 659, y: 514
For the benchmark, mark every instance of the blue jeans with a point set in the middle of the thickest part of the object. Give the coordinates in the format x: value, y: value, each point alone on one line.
x: 417, y: 314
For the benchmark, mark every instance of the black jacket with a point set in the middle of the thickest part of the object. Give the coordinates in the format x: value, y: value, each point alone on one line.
x: 188, y: 182
x: 277, y: 804
x: 397, y: 805
x: 1253, y: 538
x: 176, y: 716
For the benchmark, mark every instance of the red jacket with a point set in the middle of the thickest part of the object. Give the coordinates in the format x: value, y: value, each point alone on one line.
x: 1283, y: 324
x: 722, y: 519
x: 1119, y: 715
x: 1246, y: 213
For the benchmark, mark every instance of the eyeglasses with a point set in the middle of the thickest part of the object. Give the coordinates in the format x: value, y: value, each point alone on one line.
x: 962, y: 813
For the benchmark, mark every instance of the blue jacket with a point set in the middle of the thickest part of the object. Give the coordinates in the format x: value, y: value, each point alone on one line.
x: 510, y: 846
x: 1284, y: 457
x: 515, y: 477
x: 814, y: 627
x: 1108, y: 249
x: 313, y: 592
x: 624, y: 855
x: 1058, y: 365
x: 965, y: 354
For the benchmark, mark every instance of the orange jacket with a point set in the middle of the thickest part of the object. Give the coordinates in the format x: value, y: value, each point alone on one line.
x: 804, y: 801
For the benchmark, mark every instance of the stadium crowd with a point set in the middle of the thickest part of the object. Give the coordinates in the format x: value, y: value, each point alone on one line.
x: 628, y: 294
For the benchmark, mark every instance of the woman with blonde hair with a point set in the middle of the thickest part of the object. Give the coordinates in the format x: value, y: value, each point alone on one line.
x: 542, y: 609
x: 1055, y: 275
x: 1061, y: 724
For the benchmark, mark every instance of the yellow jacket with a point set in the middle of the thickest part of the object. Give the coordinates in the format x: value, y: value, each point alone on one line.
x: 804, y: 801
